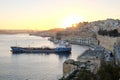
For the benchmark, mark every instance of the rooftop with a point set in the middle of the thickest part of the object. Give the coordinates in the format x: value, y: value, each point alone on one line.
x: 96, y: 54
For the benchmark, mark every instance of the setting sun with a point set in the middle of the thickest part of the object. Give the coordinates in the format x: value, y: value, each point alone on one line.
x: 71, y: 19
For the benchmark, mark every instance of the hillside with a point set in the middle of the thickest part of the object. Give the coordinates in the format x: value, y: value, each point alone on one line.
x: 83, y: 29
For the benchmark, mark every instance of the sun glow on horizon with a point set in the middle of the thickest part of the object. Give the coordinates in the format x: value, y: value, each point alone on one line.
x: 70, y: 20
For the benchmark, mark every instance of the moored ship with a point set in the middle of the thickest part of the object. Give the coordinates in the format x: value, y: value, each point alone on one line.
x: 63, y: 47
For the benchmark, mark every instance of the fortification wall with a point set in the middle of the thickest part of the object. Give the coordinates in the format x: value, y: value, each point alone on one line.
x: 67, y: 67
x: 118, y: 40
x: 108, y: 42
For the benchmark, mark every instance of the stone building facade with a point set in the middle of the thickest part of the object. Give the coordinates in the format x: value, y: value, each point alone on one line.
x: 108, y: 42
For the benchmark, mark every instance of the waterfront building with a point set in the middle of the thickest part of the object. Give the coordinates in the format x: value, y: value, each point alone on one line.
x: 85, y: 41
x: 93, y: 56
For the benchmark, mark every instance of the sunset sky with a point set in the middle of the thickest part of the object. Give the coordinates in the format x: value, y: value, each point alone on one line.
x: 47, y: 14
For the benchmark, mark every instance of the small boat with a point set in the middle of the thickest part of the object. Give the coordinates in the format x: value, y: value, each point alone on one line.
x: 61, y: 48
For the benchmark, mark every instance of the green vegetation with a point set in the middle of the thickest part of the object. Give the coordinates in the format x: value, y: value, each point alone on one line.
x: 108, y: 72
x: 85, y: 75
x: 112, y: 33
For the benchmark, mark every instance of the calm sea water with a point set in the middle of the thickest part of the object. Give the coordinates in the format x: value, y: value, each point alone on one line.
x: 31, y: 66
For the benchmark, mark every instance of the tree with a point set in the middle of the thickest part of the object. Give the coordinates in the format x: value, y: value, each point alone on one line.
x: 85, y: 75
x: 109, y: 72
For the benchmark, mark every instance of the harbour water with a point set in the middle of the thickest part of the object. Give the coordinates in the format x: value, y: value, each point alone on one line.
x: 32, y: 66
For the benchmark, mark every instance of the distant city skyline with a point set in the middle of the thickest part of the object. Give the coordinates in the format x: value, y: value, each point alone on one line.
x: 47, y: 14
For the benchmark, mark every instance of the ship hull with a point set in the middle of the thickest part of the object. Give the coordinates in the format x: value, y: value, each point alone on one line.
x: 39, y: 50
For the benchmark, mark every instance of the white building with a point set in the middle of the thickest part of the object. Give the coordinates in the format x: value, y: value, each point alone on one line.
x: 86, y: 41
